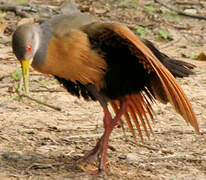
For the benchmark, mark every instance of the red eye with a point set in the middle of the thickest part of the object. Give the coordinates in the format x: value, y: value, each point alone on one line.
x: 29, y: 48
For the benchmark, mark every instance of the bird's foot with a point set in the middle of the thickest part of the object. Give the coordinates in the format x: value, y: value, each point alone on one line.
x: 89, y: 156
x: 95, y: 173
x: 92, y: 154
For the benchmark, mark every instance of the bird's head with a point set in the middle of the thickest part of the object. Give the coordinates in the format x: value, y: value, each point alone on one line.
x: 25, y: 43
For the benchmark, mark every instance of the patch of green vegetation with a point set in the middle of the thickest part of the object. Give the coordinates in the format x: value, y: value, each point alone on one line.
x: 164, y: 35
x: 142, y: 31
x: 42, y: 82
x: 202, y: 70
x: 180, y: 82
x: 196, y: 44
x: 17, y: 75
x: 16, y: 97
x: 22, y: 2
x: 135, y: 4
x: 41, y: 106
x: 16, y: 86
x: 106, y: 7
x: 55, y: 81
x: 149, y: 9
x: 193, y: 56
x: 169, y: 14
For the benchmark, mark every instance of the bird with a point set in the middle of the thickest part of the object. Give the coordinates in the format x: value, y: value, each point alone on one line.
x: 108, y: 63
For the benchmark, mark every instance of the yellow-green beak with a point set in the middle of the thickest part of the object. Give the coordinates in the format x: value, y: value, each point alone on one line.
x: 25, y: 71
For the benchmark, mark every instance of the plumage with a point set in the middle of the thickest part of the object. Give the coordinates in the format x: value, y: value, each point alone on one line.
x: 108, y: 63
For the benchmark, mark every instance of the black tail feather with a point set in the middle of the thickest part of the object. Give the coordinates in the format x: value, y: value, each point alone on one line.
x: 176, y: 67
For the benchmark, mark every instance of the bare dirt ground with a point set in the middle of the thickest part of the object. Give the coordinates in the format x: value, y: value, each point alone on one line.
x: 37, y: 142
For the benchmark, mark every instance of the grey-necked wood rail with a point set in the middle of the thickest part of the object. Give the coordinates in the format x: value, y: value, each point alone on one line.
x: 108, y: 63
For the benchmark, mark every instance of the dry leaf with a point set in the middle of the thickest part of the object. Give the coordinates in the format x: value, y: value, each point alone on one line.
x: 87, y: 167
x: 100, y: 11
x: 201, y: 57
x: 3, y: 26
x: 25, y: 21
x: 53, y: 7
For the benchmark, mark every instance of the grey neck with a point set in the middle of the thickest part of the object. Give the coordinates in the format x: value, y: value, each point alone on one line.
x: 45, y: 36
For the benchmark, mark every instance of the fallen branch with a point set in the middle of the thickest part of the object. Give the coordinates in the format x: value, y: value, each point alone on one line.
x: 40, y: 102
x: 169, y: 44
x: 179, y: 132
x: 155, y: 149
x: 180, y: 12
x: 171, y: 157
x: 46, y: 90
x: 189, y: 3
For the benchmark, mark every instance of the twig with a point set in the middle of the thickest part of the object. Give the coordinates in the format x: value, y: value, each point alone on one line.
x: 16, y: 9
x: 170, y: 44
x: 180, y: 132
x: 40, y: 102
x: 189, y: 3
x: 180, y: 12
x: 172, y: 157
x: 134, y: 27
x: 46, y: 90
x: 151, y: 148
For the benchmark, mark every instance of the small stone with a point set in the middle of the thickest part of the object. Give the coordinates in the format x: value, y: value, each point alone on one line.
x: 190, y: 11
x: 204, y: 158
x: 204, y: 105
x: 197, y: 111
x: 133, y: 158
x: 11, y: 156
x: 122, y: 157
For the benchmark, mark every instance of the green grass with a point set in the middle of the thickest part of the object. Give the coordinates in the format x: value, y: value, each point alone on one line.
x: 22, y: 2
x: 169, y: 14
x: 107, y: 7
x: 164, y: 35
x: 17, y: 75
x: 135, y: 4
x: 142, y: 31
x: 149, y: 9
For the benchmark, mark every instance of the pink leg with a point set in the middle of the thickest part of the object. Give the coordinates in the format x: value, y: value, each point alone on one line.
x: 99, y: 146
x: 109, y: 125
x: 102, y: 145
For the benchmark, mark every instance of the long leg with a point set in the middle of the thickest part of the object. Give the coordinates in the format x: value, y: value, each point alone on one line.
x: 109, y: 124
x: 98, y: 148
x: 103, y: 102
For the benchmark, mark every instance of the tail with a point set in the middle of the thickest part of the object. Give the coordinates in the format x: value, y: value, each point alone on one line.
x: 140, y: 111
x: 176, y: 67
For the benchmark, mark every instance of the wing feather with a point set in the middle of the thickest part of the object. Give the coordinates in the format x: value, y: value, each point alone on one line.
x: 172, y: 90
